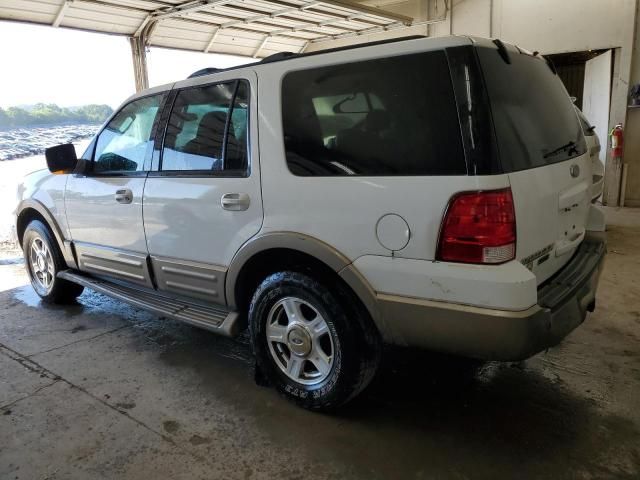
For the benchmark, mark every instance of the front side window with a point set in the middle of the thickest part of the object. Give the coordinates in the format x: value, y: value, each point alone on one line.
x: 391, y: 116
x: 125, y: 142
x: 207, y: 129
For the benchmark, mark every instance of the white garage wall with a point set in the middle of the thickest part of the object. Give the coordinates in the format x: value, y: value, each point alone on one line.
x: 632, y: 130
x: 548, y: 26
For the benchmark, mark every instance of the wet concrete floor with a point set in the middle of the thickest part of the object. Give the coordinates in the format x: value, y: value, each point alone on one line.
x: 103, y: 390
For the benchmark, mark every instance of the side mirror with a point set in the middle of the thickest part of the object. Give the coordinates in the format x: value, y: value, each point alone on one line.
x: 61, y: 158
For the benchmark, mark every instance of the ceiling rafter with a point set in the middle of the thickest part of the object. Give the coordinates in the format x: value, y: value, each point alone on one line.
x: 335, y: 22
x: 243, y: 27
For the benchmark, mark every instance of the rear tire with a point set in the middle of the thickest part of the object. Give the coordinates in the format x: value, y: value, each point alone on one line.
x: 43, y: 260
x: 316, y: 345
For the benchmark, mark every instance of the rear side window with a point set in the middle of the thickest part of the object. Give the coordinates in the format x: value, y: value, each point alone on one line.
x: 535, y: 121
x: 392, y: 116
x: 207, y: 129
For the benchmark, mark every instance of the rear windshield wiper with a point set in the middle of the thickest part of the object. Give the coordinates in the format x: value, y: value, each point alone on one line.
x: 567, y: 146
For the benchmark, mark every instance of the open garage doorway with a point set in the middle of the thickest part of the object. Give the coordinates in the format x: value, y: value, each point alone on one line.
x: 587, y: 77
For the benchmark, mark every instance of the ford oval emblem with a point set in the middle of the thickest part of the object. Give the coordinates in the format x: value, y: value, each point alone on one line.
x: 574, y: 170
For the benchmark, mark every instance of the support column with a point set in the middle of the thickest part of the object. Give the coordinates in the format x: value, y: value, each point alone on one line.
x: 139, y: 57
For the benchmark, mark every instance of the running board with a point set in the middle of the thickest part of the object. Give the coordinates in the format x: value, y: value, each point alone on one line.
x: 216, y: 319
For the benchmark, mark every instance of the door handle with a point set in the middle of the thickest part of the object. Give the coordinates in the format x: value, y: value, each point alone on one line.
x: 235, y: 202
x: 124, y: 196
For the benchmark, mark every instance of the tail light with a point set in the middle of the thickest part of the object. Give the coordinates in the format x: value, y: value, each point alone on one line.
x: 479, y: 227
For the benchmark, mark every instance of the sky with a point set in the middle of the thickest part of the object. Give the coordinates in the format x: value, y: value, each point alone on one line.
x: 41, y: 64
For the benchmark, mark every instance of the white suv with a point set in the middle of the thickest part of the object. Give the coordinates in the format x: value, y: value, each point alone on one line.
x: 425, y: 192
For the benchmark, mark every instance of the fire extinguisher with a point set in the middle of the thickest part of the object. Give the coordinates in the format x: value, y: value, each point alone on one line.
x: 617, y: 139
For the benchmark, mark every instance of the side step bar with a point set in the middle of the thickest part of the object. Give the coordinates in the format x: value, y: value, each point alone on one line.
x: 214, y: 318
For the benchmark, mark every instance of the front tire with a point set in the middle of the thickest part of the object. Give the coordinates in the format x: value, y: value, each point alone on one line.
x: 316, y: 345
x: 43, y: 260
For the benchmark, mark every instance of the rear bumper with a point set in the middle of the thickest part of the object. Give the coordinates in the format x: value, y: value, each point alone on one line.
x: 563, y: 302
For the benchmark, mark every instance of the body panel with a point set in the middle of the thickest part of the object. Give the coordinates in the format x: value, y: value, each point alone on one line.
x: 94, y: 216
x: 125, y: 265
x: 184, y: 218
x: 108, y: 235
x: 509, y: 286
x: 497, y: 334
x: 47, y: 190
x: 194, y: 279
x: 552, y: 208
x: 343, y: 211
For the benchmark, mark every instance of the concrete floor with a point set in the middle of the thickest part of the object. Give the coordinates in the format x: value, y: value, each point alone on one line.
x: 102, y: 390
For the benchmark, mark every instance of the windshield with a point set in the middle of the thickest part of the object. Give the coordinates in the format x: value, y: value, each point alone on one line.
x: 535, y: 121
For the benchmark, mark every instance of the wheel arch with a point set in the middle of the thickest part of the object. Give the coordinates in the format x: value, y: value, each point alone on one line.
x: 276, y: 251
x: 31, y: 209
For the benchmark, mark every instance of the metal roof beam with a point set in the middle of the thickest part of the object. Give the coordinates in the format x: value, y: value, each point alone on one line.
x: 314, y: 10
x: 307, y: 26
x: 304, y: 24
x: 240, y: 24
x: 357, y: 7
x: 249, y: 30
x: 275, y: 14
x: 376, y: 12
x: 61, y: 12
x: 143, y: 24
x: 362, y: 12
x: 184, y: 8
x: 261, y: 46
x: 211, y: 40
x: 365, y: 31
x: 118, y: 6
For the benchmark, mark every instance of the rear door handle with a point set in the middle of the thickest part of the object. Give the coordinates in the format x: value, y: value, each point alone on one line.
x: 235, y: 202
x: 124, y: 196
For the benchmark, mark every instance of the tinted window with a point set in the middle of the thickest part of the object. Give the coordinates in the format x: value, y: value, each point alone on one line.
x: 236, y: 148
x: 199, y: 120
x: 124, y: 143
x: 390, y: 116
x: 535, y: 121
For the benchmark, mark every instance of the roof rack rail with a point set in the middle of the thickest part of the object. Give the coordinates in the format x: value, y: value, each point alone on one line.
x: 282, y: 56
x: 205, y: 71
x: 278, y: 56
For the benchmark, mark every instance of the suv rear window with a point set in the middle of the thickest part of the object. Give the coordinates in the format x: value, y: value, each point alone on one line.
x: 534, y: 119
x: 390, y: 116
